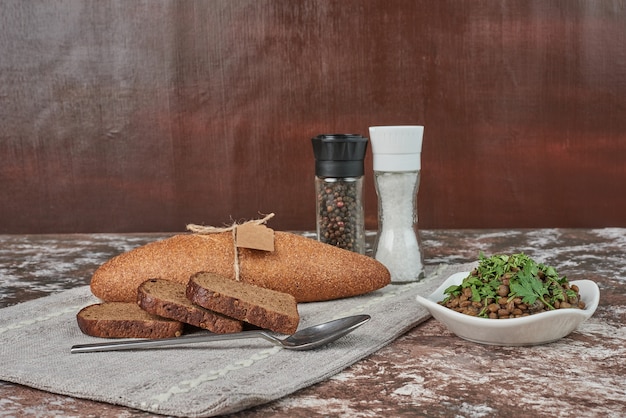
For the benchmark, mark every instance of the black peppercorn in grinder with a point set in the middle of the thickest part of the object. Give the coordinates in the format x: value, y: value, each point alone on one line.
x: 339, y: 190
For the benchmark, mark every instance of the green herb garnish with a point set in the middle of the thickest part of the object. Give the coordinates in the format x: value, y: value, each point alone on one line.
x: 515, y: 282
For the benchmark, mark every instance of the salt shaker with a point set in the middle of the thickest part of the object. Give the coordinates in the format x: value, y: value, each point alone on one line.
x: 397, y: 163
x: 339, y: 189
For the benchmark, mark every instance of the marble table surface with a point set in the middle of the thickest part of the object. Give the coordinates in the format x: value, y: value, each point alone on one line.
x: 426, y: 372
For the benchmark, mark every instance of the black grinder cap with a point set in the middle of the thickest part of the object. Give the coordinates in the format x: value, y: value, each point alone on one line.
x: 339, y: 155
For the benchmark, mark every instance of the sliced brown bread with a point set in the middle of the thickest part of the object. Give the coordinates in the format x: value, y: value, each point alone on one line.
x: 309, y: 270
x: 265, y: 308
x: 167, y: 299
x: 125, y: 320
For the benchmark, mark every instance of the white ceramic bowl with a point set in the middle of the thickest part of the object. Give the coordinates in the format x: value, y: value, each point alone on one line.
x: 534, y: 329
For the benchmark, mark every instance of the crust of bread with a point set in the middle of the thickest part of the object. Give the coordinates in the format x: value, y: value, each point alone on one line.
x: 303, y: 267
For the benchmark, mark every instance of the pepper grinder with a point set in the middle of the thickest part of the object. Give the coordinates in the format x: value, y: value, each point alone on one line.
x: 397, y: 163
x: 339, y: 189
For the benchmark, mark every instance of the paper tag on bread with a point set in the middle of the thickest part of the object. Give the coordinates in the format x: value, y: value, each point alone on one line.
x: 255, y: 237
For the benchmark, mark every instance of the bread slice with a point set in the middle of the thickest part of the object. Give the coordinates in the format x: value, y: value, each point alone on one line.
x: 265, y: 308
x: 125, y: 320
x: 303, y: 267
x: 167, y: 299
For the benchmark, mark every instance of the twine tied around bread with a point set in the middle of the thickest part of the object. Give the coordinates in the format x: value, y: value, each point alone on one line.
x: 207, y: 230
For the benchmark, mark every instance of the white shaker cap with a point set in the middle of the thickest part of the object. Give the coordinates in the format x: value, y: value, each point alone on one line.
x: 396, y: 148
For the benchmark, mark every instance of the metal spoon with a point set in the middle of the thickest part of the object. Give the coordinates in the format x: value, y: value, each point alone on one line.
x: 305, y: 339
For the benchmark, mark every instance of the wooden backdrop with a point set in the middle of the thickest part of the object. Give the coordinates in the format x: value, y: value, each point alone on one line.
x: 148, y: 115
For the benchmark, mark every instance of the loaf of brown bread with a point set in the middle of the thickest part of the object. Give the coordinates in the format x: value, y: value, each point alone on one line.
x: 125, y: 320
x: 303, y: 267
x: 255, y: 305
x: 167, y: 299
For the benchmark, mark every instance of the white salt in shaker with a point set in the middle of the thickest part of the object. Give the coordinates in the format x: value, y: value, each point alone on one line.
x: 397, y: 163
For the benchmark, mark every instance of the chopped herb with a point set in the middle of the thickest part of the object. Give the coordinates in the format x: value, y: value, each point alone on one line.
x: 507, y: 286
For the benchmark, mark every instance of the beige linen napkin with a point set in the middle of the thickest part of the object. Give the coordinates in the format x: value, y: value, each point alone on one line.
x: 198, y: 380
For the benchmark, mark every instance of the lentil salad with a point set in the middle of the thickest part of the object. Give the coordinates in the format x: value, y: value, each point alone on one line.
x: 511, y: 286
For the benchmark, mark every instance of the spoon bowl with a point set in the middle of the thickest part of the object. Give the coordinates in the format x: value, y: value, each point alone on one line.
x: 305, y: 339
x: 322, y: 334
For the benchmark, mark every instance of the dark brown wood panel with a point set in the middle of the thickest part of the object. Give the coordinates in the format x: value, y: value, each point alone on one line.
x: 145, y: 116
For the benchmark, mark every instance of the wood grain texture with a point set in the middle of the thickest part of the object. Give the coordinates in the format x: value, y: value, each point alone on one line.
x: 146, y: 116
